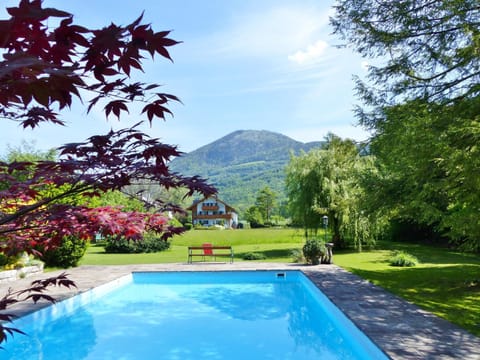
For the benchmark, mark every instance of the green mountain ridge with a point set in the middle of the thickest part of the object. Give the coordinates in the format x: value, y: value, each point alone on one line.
x: 241, y: 163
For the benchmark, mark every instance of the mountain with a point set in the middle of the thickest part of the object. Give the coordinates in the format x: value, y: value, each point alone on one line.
x: 242, y: 163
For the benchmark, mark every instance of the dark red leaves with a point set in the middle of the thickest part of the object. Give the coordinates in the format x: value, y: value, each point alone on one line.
x: 116, y: 107
x: 37, y: 114
x: 60, y: 280
x: 32, y: 11
x: 156, y: 109
x: 103, y: 163
x: 144, y: 38
x: 36, y: 293
x: 5, y: 331
x: 166, y: 97
x: 46, y: 64
x: 41, y: 66
x: 162, y: 153
x: 135, y: 90
x: 66, y: 37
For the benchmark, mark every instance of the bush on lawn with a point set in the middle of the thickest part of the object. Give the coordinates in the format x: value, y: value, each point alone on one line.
x: 68, y: 254
x: 401, y: 258
x: 149, y: 244
x: 253, y: 256
x: 313, y: 250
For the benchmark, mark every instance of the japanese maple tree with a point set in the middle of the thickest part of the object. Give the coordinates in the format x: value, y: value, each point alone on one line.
x: 43, y: 69
x: 48, y: 61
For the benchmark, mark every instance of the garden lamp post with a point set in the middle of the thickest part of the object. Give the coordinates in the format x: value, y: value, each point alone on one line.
x: 328, y: 257
x: 325, y: 225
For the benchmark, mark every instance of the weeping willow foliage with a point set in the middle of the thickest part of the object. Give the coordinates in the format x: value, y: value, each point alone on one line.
x: 326, y: 182
x: 303, y: 181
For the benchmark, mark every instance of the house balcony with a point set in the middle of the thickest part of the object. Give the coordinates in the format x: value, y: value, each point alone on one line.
x: 209, y: 207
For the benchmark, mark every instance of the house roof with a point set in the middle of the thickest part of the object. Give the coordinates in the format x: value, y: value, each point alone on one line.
x: 195, y: 202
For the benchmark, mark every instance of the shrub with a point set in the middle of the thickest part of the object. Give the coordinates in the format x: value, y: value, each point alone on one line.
x: 114, y: 245
x: 253, y: 256
x: 12, y: 262
x: 150, y: 243
x: 313, y: 250
x: 68, y: 254
x: 401, y: 258
x: 3, y: 259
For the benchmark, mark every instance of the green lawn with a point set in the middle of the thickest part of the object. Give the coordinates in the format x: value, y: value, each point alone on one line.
x: 276, y: 244
x: 446, y: 283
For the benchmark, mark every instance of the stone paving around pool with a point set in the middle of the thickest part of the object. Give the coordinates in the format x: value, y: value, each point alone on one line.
x: 401, y: 329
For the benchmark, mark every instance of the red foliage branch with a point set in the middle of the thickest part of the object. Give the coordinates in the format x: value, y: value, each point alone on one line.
x: 45, y: 68
x: 47, y: 60
x: 35, y: 293
x: 104, y: 162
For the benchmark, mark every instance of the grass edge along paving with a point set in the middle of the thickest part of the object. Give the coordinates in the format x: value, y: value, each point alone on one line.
x: 446, y: 283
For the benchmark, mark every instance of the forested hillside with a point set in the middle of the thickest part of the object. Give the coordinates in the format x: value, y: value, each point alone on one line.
x: 242, y: 163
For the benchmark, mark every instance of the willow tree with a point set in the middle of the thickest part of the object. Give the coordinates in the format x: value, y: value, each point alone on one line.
x: 325, y: 182
x: 303, y: 182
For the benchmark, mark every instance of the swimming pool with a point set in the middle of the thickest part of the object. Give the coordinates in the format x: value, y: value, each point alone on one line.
x: 194, y: 315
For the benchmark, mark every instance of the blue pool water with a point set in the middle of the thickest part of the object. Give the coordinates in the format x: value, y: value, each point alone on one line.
x: 198, y: 315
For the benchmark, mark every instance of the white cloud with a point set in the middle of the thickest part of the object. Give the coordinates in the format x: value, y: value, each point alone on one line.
x: 277, y: 31
x: 311, y: 54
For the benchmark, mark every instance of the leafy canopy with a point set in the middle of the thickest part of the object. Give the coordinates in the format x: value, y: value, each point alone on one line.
x: 421, y: 97
x: 425, y: 49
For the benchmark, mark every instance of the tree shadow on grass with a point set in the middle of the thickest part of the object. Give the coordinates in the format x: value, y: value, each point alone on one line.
x: 269, y: 254
x: 424, y: 253
x: 432, y: 254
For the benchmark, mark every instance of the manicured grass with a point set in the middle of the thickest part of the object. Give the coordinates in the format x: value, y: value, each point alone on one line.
x: 445, y: 283
x: 276, y: 244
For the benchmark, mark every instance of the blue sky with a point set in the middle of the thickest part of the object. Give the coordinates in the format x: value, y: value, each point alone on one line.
x: 242, y: 65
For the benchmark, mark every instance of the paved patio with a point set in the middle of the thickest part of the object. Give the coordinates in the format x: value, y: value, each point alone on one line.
x: 401, y: 329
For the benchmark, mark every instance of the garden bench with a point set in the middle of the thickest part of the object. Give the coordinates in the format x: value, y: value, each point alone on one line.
x: 209, y: 250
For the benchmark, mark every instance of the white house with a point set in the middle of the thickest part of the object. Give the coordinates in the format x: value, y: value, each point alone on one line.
x: 212, y: 211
